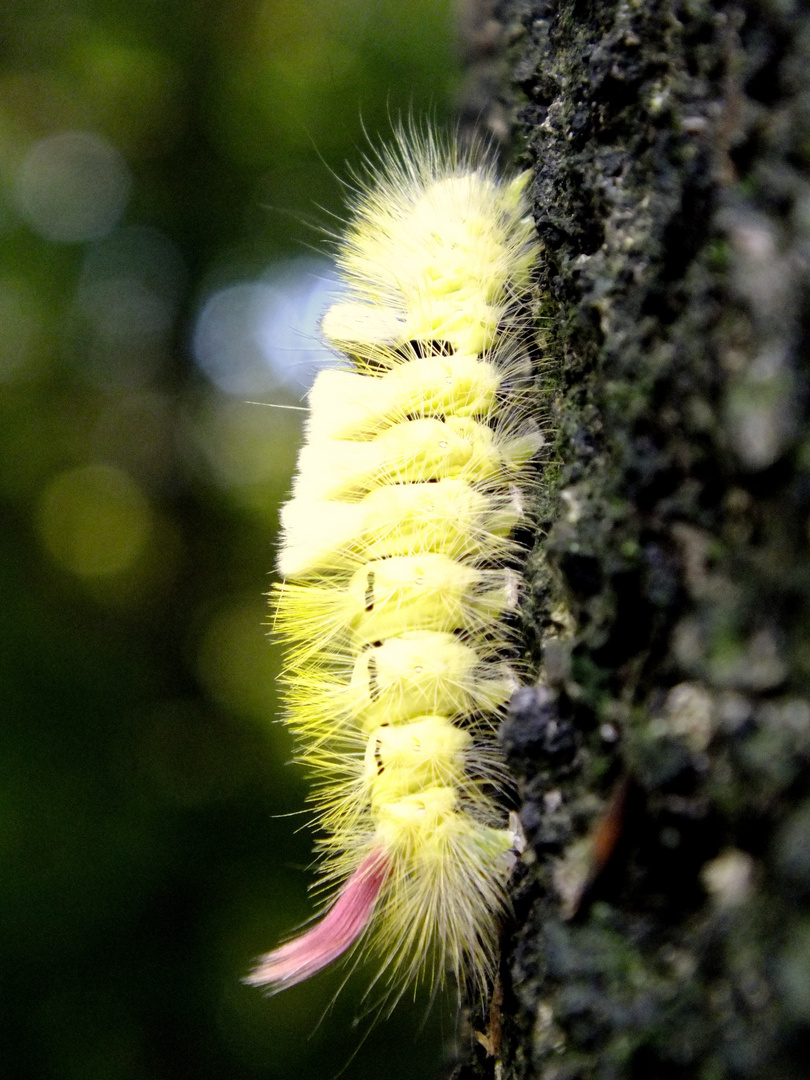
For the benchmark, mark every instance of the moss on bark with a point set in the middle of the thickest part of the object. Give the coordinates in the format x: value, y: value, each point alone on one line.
x: 670, y: 143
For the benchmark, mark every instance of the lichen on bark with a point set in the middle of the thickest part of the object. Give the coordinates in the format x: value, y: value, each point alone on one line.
x: 668, y: 599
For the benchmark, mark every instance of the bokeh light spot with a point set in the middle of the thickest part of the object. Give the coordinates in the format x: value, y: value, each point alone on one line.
x: 94, y: 521
x: 257, y: 336
x: 73, y: 186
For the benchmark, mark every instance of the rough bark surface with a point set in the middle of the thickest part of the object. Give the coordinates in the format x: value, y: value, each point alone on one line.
x: 663, y: 924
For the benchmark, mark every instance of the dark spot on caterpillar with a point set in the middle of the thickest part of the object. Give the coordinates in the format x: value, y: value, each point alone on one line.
x: 373, y: 688
x: 378, y: 757
x: 370, y: 590
x: 415, y: 347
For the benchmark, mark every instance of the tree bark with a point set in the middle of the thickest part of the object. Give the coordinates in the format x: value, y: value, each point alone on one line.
x: 662, y: 924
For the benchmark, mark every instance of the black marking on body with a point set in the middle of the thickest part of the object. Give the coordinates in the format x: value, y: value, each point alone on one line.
x: 373, y: 685
x: 417, y: 347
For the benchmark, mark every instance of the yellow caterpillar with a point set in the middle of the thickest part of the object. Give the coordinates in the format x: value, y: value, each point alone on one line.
x: 395, y: 554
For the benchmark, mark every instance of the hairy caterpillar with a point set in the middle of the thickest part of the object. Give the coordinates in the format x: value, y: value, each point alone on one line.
x: 396, y: 556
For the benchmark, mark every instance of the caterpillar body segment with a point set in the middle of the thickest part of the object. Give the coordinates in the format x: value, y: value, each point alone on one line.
x: 448, y: 516
x: 350, y: 405
x: 391, y: 681
x: 413, y: 451
x: 404, y: 760
x: 396, y: 559
x: 428, y: 591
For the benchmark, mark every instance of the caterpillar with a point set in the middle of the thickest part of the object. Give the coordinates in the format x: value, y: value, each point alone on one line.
x: 397, y: 558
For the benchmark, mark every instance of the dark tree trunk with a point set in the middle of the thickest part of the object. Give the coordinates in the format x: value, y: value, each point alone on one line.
x: 662, y: 927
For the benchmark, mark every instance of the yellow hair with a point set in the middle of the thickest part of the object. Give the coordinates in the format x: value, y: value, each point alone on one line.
x: 395, y: 557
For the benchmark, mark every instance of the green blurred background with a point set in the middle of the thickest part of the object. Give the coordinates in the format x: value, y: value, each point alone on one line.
x: 167, y: 171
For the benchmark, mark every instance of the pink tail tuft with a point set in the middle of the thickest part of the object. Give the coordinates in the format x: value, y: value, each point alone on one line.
x: 332, y: 936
